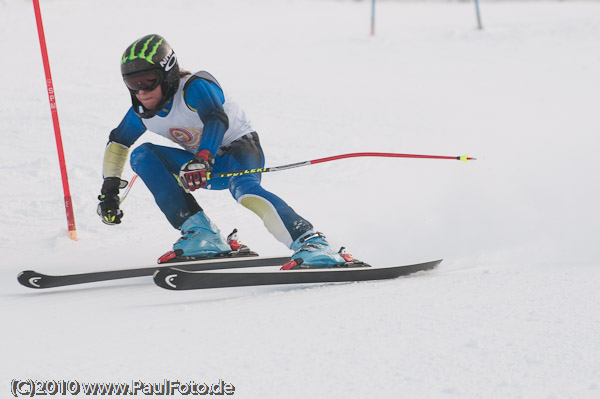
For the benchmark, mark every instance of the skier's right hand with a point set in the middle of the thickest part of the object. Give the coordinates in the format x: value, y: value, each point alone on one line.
x: 108, y: 208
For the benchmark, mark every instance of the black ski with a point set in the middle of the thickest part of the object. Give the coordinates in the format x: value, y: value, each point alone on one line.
x: 176, y: 278
x: 32, y: 279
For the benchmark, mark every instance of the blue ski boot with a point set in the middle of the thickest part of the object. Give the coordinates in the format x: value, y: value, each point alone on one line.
x: 313, y: 250
x: 200, y: 238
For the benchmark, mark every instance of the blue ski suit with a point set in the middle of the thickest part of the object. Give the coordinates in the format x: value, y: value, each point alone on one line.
x: 201, y: 116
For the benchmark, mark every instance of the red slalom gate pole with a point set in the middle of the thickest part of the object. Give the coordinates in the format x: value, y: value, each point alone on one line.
x: 463, y: 158
x: 53, y: 110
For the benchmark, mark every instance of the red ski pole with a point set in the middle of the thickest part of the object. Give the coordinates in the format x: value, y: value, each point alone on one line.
x: 463, y: 158
x: 52, y: 100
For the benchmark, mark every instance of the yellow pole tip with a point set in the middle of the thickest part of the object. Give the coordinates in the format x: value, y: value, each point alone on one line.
x: 464, y: 158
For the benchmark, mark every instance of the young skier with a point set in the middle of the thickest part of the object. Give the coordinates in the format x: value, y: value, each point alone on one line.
x: 193, y: 111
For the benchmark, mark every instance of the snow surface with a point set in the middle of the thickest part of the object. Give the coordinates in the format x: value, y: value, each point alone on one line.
x: 511, y: 313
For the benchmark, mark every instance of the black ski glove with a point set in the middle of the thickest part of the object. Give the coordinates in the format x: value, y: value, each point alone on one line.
x: 108, y: 208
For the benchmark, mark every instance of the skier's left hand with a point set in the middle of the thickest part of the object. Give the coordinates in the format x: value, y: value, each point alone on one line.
x: 193, y: 175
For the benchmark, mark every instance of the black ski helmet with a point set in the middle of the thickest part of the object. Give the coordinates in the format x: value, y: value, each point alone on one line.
x: 150, y: 54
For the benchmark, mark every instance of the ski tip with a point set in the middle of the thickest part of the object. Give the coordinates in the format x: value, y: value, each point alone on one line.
x: 30, y: 279
x: 166, y: 278
x: 435, y: 263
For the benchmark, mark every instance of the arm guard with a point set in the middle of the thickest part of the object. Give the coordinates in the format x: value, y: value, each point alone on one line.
x: 115, y: 157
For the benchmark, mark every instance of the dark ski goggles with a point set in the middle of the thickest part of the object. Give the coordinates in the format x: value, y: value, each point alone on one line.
x: 146, y: 81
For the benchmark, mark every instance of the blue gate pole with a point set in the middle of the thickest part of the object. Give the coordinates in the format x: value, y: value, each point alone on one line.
x: 479, y: 26
x: 372, y: 17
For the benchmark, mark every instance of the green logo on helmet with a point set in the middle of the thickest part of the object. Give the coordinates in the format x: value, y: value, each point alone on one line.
x: 130, y: 53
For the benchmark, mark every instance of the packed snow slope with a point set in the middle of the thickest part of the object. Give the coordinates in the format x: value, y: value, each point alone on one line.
x: 512, y: 312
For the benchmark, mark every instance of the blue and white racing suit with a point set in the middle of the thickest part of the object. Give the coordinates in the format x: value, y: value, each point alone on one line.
x: 201, y: 116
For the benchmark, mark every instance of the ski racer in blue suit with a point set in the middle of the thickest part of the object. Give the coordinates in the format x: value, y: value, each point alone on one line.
x: 215, y: 136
